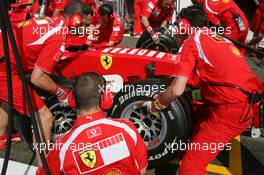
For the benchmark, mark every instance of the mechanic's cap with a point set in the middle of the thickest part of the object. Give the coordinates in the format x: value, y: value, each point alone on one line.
x: 106, y: 9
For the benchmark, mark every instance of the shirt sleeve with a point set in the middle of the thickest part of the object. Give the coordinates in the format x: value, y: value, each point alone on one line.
x: 51, y: 53
x: 211, y: 15
x: 148, y: 8
x: 117, y: 31
x: 187, y: 59
x: 170, y: 14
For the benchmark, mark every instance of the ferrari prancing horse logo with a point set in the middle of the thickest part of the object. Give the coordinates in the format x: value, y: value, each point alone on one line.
x: 106, y: 61
x: 89, y: 158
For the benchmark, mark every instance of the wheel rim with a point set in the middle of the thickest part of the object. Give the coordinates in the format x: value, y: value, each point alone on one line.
x: 152, y: 130
x: 63, y: 120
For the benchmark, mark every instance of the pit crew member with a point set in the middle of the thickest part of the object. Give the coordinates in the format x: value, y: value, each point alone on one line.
x: 257, y: 25
x: 227, y: 14
x: 60, y: 4
x: 223, y: 79
x: 155, y: 13
x: 41, y: 45
x: 113, y: 146
x: 109, y: 28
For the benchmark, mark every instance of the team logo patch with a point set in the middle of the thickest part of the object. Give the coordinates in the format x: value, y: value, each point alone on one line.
x: 24, y: 23
x: 226, y: 1
x: 235, y: 51
x: 89, y: 158
x: 106, y: 61
x: 113, y: 172
x: 217, y: 37
x: 214, y: 1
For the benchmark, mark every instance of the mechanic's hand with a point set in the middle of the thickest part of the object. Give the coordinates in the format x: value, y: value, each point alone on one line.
x: 154, y: 35
x: 150, y: 108
x: 65, y: 97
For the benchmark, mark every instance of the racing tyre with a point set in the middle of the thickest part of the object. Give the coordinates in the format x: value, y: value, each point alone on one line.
x: 167, y: 44
x: 63, y: 117
x: 159, y: 136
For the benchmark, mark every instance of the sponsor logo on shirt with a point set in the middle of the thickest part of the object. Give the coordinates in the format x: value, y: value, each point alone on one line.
x: 214, y: 1
x: 100, y: 154
x: 113, y: 172
x: 150, y: 7
x: 95, y: 132
x: 235, y: 51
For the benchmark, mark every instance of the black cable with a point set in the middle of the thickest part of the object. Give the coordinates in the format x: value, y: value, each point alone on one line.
x: 6, y: 20
x: 10, y: 96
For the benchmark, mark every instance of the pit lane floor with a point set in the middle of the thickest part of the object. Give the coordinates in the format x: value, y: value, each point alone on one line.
x: 252, y: 150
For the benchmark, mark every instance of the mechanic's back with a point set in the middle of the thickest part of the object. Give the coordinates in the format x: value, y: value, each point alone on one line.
x: 219, y: 63
x: 33, y: 38
x: 113, y: 146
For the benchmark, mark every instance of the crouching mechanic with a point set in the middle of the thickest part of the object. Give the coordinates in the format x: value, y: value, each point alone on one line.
x: 96, y: 144
x: 225, y: 13
x: 40, y: 53
x: 222, y: 78
x: 156, y: 13
x: 257, y: 25
x: 109, y: 29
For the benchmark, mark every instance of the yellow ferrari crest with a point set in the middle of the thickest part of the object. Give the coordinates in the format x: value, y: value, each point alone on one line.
x: 235, y: 51
x: 106, y: 61
x: 89, y: 158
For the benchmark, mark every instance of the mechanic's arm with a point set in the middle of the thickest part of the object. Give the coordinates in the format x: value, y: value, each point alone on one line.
x: 256, y: 39
x: 42, y: 80
x: 144, y: 21
x: 152, y: 33
x: 175, y: 90
x: 164, y: 23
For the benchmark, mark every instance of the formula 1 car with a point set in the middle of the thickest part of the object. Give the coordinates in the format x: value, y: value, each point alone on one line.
x: 133, y: 75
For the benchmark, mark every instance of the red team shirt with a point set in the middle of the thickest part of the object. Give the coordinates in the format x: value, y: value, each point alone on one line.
x: 113, y: 31
x: 40, y: 43
x: 200, y: 54
x: 257, y: 25
x: 222, y: 11
x: 153, y: 10
x: 114, y: 147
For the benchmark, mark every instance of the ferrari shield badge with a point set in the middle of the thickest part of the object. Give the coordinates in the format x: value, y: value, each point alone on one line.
x: 89, y: 158
x: 106, y: 61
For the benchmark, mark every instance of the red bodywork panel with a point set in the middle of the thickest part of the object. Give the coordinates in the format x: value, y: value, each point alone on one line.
x: 129, y: 63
